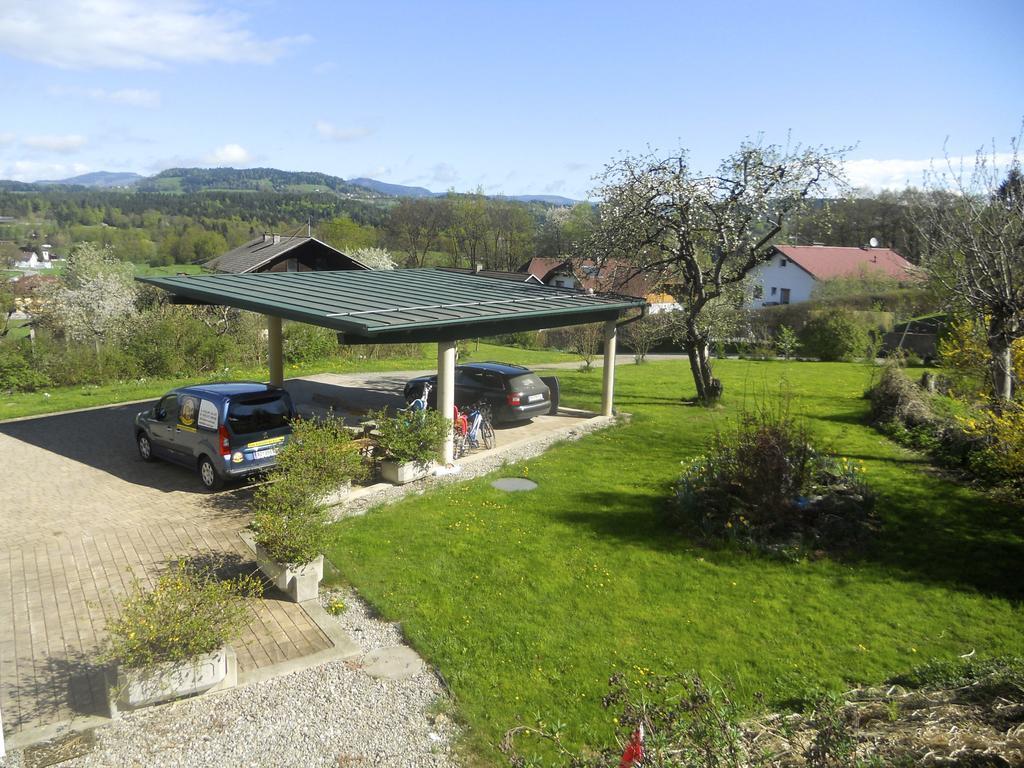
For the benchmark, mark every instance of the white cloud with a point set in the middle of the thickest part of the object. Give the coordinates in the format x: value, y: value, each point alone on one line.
x: 897, y: 174
x: 7, y: 138
x: 133, y: 34
x: 72, y: 142
x: 28, y: 170
x: 330, y: 131
x: 229, y: 154
x: 443, y: 173
x: 133, y: 97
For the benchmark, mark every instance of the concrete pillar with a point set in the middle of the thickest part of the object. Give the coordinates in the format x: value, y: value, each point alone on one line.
x: 446, y: 389
x: 608, y: 388
x: 275, y: 351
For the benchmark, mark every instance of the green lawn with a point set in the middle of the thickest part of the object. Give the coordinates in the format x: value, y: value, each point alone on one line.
x: 58, y: 399
x: 528, y: 602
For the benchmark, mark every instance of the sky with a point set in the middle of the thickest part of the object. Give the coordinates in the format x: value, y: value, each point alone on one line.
x: 526, y: 97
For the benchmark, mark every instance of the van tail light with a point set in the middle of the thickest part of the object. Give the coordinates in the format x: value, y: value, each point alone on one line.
x: 225, y: 440
x: 515, y: 398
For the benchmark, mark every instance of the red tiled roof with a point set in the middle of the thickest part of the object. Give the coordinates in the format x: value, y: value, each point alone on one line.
x: 825, y: 262
x: 540, y: 267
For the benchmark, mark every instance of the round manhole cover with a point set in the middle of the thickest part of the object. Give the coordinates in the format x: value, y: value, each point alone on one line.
x: 514, y: 484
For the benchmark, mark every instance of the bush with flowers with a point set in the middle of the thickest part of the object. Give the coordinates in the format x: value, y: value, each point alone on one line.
x: 187, y: 613
x: 764, y: 484
x: 1000, y: 437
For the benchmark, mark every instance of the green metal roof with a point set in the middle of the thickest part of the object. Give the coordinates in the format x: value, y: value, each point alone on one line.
x: 380, y: 306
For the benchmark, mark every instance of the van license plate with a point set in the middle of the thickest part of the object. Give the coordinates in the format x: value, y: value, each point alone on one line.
x: 534, y: 398
x: 265, y: 454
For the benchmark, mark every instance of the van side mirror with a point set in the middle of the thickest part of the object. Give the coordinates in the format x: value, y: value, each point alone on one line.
x: 160, y: 414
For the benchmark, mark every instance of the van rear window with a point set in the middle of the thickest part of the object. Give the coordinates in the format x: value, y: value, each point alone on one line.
x: 259, y: 414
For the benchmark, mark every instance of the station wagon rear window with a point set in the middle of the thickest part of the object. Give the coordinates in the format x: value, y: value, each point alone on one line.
x: 259, y: 414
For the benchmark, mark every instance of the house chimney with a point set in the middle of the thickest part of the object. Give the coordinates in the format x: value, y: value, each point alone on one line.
x: 478, y: 267
x: 266, y: 237
x: 277, y: 238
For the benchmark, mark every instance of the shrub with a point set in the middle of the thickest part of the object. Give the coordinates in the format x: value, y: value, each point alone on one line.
x: 1000, y: 434
x: 835, y: 335
x: 320, y: 456
x: 290, y: 523
x: 415, y: 437
x: 786, y: 341
x: 17, y: 374
x: 766, y: 485
x: 167, y: 342
x: 687, y: 722
x: 187, y: 613
x: 896, y: 399
x: 305, y: 343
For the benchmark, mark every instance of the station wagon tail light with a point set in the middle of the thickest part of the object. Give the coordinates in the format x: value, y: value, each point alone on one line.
x: 225, y: 440
x: 515, y: 398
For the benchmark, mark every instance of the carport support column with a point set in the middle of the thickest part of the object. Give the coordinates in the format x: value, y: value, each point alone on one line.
x: 608, y: 390
x: 275, y: 352
x: 446, y: 389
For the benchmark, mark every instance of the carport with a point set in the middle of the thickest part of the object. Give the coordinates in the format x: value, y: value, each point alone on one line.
x: 411, y: 305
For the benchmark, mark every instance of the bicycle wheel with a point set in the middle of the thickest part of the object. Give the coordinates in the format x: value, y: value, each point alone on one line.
x: 459, y: 446
x: 487, y: 435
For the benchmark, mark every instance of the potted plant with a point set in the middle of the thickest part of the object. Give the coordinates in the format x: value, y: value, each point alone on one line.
x: 172, y: 640
x: 290, y: 529
x: 411, y: 442
x: 290, y: 524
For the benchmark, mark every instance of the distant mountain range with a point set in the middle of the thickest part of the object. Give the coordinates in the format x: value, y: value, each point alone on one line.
x: 99, y: 179
x: 258, y: 180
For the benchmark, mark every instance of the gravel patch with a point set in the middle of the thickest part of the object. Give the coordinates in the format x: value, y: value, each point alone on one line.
x: 332, y: 715
x: 359, y: 620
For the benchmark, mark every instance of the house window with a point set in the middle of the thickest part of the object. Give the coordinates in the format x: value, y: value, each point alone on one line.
x: 784, y: 298
x: 774, y: 290
x: 782, y: 262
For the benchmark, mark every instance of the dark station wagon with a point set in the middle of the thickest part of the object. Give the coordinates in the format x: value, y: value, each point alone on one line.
x: 513, y: 392
x: 224, y: 431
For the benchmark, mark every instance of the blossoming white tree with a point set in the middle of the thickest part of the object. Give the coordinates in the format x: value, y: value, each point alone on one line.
x: 95, y: 298
x: 700, y: 235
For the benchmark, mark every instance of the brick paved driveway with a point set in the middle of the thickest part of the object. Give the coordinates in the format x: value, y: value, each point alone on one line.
x: 80, y: 514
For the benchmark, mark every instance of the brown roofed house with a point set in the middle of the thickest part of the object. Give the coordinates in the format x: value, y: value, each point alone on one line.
x: 277, y: 253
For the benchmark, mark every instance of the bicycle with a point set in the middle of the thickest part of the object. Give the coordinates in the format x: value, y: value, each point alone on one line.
x: 476, y: 431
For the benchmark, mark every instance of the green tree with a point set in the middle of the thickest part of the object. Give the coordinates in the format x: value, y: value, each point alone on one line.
x: 975, y: 253
x: 9, y: 253
x: 415, y: 226
x: 702, y: 234
x: 345, y: 234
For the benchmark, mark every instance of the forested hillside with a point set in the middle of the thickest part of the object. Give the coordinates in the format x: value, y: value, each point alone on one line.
x: 183, y: 216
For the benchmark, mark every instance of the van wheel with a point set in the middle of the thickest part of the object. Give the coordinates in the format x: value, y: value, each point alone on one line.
x: 145, y: 447
x: 208, y: 475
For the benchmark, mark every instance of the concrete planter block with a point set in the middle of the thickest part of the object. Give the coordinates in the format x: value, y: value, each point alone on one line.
x: 136, y: 688
x: 300, y: 584
x: 401, y: 473
x: 336, y: 496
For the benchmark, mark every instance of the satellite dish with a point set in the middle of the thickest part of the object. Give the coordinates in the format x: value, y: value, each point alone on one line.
x: 873, y: 242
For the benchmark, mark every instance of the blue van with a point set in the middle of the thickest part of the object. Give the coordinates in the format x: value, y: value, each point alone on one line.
x: 224, y: 431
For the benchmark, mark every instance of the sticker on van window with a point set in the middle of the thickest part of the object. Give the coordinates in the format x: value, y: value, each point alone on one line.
x: 207, y: 415
x: 187, y: 414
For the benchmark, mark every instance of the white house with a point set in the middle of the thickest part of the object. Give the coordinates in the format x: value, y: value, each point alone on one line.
x: 794, y: 270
